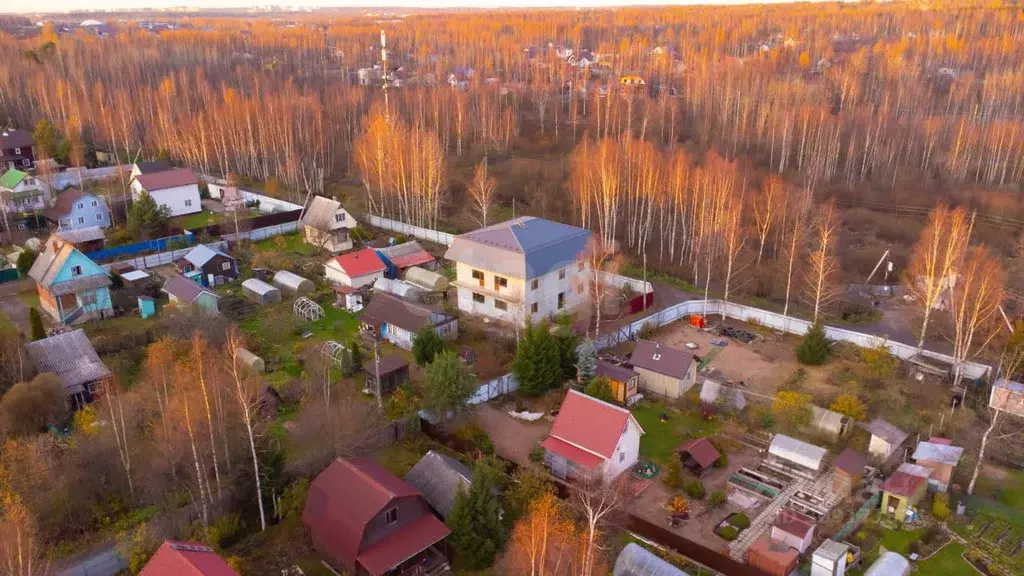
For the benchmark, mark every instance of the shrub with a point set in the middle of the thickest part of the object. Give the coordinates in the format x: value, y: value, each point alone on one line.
x: 940, y: 507
x: 25, y: 260
x: 717, y: 499
x: 695, y: 490
x: 426, y: 345
x: 678, y: 505
x: 224, y: 531
x: 475, y: 437
x: 36, y: 321
x: 673, y: 478
x: 722, y: 461
x: 849, y: 405
x: 29, y: 407
x: 728, y: 532
x: 740, y: 521
x: 537, y: 454
x: 914, y: 547
x: 792, y: 409
x: 293, y: 500
x: 600, y: 388
x: 813, y: 349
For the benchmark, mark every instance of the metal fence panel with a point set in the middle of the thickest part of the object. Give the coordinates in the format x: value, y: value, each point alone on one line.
x: 159, y: 244
x: 427, y: 234
x: 162, y: 258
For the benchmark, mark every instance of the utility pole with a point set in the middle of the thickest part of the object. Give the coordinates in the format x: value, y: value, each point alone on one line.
x: 376, y: 369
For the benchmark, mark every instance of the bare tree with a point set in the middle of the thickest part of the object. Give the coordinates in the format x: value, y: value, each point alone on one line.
x: 822, y: 265
x: 247, y: 396
x: 20, y: 550
x: 794, y: 242
x: 974, y: 306
x: 481, y: 191
x: 120, y: 432
x: 768, y: 206
x: 200, y: 368
x: 596, y: 501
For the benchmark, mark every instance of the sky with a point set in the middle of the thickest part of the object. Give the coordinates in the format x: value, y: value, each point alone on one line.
x: 68, y: 5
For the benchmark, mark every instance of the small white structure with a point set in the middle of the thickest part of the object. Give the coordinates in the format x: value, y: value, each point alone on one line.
x: 885, y: 438
x: 712, y: 391
x: 635, y: 560
x: 177, y: 189
x: 830, y: 559
x: 356, y: 269
x: 292, y: 283
x: 1007, y: 396
x: 307, y: 309
x: 889, y: 564
x: 348, y: 298
x: 794, y: 529
x: 251, y: 361
x: 828, y: 423
x: 399, y: 288
x: 260, y: 292
x: 797, y: 452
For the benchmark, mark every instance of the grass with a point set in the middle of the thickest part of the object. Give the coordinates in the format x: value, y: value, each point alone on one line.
x: 287, y: 243
x: 899, y: 540
x: 660, y: 439
x: 948, y: 561
x: 633, y: 270
x: 197, y: 220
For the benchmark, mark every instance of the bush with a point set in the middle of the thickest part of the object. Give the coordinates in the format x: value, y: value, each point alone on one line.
x: 600, y: 388
x: 695, y: 489
x: 293, y: 500
x: 36, y: 321
x: 722, y: 461
x: 475, y: 437
x: 25, y: 261
x: 728, y: 532
x: 740, y: 521
x: 940, y: 507
x: 426, y: 345
x: 29, y: 407
x: 717, y: 499
x: 537, y: 454
x: 849, y: 405
x: 813, y: 349
x: 673, y: 478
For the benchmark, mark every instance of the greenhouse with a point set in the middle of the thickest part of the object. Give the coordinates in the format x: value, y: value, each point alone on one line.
x: 399, y: 288
x: 260, y: 292
x: 797, y: 452
x: 251, y: 361
x: 635, y: 560
x: 292, y: 283
x: 426, y: 279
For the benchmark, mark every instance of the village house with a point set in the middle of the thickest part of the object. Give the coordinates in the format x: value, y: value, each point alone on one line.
x: 1008, y: 396
x: 390, y: 318
x: 88, y: 239
x: 22, y: 193
x: 177, y: 189
x: 72, y: 288
x: 525, y: 269
x: 401, y: 257
x: 793, y: 529
x: 364, y: 520
x: 326, y: 225
x: 849, y: 471
x: 903, y: 490
x: 665, y: 371
x: 151, y: 167
x: 886, y: 439
x: 16, y: 149
x: 74, y: 209
x: 183, y: 292
x: 440, y: 478
x: 73, y: 359
x: 941, y: 457
x: 186, y: 559
x: 391, y: 370
x: 591, y: 440
x: 355, y: 269
x: 207, y: 266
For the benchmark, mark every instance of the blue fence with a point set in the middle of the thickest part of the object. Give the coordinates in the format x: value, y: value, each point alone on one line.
x: 128, y: 250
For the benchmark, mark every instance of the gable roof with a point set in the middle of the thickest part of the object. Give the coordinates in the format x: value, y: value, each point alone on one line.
x: 390, y: 363
x: 938, y: 452
x: 360, y: 263
x: 613, y: 372
x: 202, y: 254
x: 50, y: 262
x: 851, y: 462
x: 590, y: 424
x: 797, y: 451
x: 393, y: 310
x: 345, y: 497
x: 661, y: 359
x: 903, y: 484
x: 320, y: 213
x: 167, y: 179
x: 153, y: 166
x: 64, y: 202
x: 184, y: 289
x: 186, y: 559
x: 884, y: 430
x: 15, y: 139
x: 635, y: 560
x: 71, y: 357
x: 87, y: 234
x: 406, y: 255
x: 525, y: 247
x: 701, y: 450
x: 793, y: 522
x: 440, y: 478
x: 12, y: 178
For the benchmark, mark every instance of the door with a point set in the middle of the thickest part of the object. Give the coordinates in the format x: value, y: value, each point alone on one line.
x: 559, y: 467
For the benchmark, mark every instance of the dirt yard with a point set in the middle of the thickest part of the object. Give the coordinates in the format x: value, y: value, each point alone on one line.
x: 700, y: 527
x: 513, y: 439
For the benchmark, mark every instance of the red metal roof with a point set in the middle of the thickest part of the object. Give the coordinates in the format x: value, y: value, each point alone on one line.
x: 167, y: 179
x: 570, y: 452
x: 590, y: 423
x: 406, y: 254
x: 360, y: 263
x: 403, y: 544
x: 701, y: 450
x: 344, y: 498
x: 903, y: 484
x: 793, y: 522
x: 186, y: 559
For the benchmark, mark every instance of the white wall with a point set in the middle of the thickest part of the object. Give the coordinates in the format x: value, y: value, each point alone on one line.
x: 521, y: 294
x: 176, y: 198
x: 629, y: 447
x: 335, y: 275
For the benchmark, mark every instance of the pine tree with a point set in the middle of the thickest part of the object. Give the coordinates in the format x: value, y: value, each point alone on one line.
x: 36, y: 321
x: 586, y: 364
x: 813, y: 349
x: 355, y: 358
x: 538, y: 361
x: 478, y: 533
x: 147, y: 219
x: 601, y: 389
x: 449, y: 384
x: 426, y: 345
x: 567, y: 344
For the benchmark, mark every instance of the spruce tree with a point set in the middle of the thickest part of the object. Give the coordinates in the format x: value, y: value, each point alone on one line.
x: 478, y: 534
x: 813, y: 349
x: 538, y: 361
x: 36, y: 321
x: 586, y: 364
x: 426, y: 345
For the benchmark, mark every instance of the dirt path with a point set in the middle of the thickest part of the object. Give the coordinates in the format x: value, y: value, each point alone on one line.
x: 513, y: 439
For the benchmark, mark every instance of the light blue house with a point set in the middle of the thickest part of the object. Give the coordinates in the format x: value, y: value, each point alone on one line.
x: 74, y: 209
x: 72, y: 288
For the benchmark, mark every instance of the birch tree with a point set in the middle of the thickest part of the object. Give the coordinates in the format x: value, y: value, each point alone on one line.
x: 481, y: 193
x: 974, y: 306
x: 768, y: 206
x: 821, y: 288
x: 246, y: 395
x: 596, y: 501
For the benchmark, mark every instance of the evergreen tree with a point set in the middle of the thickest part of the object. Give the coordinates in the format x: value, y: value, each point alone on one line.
x: 426, y: 344
x: 601, y: 389
x: 813, y: 349
x: 538, y: 361
x: 355, y: 358
x: 36, y: 321
x: 586, y: 364
x: 147, y: 219
x: 567, y: 344
x: 449, y: 384
x: 25, y: 261
x: 478, y: 534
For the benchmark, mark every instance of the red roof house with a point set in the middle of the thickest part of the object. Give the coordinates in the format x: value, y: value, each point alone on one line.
x: 365, y: 520
x: 186, y: 559
x: 359, y: 268
x: 794, y: 529
x: 591, y: 438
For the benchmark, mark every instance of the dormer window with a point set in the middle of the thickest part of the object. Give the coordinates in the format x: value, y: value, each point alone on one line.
x: 391, y: 516
x: 339, y: 217
x: 657, y: 357
x: 76, y: 271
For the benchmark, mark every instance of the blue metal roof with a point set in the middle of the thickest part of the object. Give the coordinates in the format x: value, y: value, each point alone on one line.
x: 526, y: 247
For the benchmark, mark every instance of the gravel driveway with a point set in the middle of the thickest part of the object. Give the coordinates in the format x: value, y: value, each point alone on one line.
x: 513, y: 439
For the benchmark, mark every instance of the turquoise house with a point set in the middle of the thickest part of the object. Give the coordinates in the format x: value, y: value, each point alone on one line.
x: 72, y: 288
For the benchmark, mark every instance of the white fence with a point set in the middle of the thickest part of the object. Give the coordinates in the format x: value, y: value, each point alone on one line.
x: 493, y: 388
x: 619, y: 281
x: 266, y: 232
x: 267, y: 204
x: 409, y: 230
x: 161, y: 258
x: 75, y: 176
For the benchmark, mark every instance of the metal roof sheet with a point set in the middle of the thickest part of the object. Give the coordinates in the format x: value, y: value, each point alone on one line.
x: 797, y: 451
x: 635, y: 560
x: 71, y: 357
x: 440, y: 478
x: 935, y: 452
x: 525, y: 247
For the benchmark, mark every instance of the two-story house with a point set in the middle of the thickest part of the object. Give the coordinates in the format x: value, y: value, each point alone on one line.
x: 207, y: 266
x: 177, y: 189
x: 326, y: 225
x: 363, y: 520
x: 16, y: 150
x: 72, y: 288
x: 21, y: 193
x: 524, y: 269
x: 74, y: 209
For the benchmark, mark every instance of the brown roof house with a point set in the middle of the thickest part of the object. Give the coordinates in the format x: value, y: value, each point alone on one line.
x: 207, y: 266
x: 902, y: 491
x: 699, y: 456
x: 849, y: 471
x: 393, y: 371
x: 885, y: 438
x: 177, y: 189
x: 366, y: 521
x: 665, y: 371
x: 942, y: 457
x: 326, y: 225
x: 624, y: 382
x: 793, y: 529
x: 772, y: 557
x: 397, y: 321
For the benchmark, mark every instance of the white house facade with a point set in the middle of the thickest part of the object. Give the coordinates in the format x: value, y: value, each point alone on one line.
x: 177, y: 189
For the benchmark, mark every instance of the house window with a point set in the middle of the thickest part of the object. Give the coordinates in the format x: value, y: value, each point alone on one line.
x: 500, y: 283
x: 76, y: 270
x: 533, y: 308
x: 479, y: 277
x: 81, y: 205
x: 99, y: 217
x: 94, y: 203
x: 561, y: 274
x: 622, y: 457
x: 188, y: 203
x: 340, y: 217
x: 561, y: 300
x: 535, y: 284
x: 225, y: 266
x: 500, y: 304
x: 26, y: 162
x: 477, y: 297
x: 81, y: 219
x: 65, y: 221
x: 17, y: 150
x: 391, y: 515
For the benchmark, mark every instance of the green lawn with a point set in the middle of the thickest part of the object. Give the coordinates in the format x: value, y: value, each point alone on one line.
x: 293, y: 242
x: 899, y: 540
x: 660, y: 439
x: 948, y: 562
x: 197, y: 220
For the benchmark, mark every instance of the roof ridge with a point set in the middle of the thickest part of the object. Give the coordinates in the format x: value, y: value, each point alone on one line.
x: 370, y: 480
x: 602, y: 402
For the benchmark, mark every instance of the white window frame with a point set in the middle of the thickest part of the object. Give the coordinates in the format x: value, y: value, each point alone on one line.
x: 225, y: 266
x: 76, y: 271
x: 81, y: 219
x: 391, y: 515
x: 17, y: 150
x: 500, y: 305
x: 188, y: 203
x: 99, y: 217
